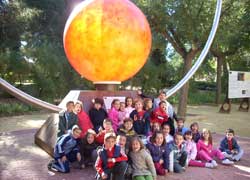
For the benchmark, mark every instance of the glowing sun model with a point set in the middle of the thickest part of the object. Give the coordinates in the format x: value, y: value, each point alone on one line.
x: 107, y: 40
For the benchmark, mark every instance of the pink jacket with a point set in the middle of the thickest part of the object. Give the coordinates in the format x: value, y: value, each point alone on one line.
x: 191, y: 150
x: 202, y: 146
x: 114, y: 116
x: 121, y: 117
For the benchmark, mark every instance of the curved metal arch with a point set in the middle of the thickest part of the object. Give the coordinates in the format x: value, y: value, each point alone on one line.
x: 203, y: 53
x: 48, y: 106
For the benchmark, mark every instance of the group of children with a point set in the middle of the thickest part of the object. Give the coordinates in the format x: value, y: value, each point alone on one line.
x: 136, y: 140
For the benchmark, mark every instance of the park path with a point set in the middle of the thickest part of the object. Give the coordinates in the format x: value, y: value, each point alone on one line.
x: 21, y: 159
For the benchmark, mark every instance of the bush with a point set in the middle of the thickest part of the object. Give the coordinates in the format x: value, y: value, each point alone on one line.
x: 10, y: 109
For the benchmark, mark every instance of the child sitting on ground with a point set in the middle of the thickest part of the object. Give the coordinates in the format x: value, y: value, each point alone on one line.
x: 97, y: 114
x: 157, y: 149
x: 142, y: 163
x: 166, y: 130
x: 177, y: 154
x: 180, y: 126
x: 66, y: 151
x: 206, y: 152
x: 121, y: 140
x: 111, y: 160
x: 192, y: 152
x: 88, y: 149
x: 230, y: 147
x: 194, y: 127
x: 107, y: 125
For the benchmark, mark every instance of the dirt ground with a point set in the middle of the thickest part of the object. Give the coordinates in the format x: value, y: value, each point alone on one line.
x: 21, y: 159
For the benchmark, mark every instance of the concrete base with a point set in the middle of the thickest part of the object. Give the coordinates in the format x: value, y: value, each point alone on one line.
x: 46, y: 136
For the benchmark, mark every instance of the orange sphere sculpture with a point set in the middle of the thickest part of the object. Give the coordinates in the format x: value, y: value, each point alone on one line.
x: 107, y: 40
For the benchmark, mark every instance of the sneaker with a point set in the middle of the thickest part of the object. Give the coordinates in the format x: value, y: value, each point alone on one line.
x: 214, y: 163
x: 210, y: 165
x: 83, y: 166
x: 50, y: 164
x: 227, y: 162
x: 227, y: 155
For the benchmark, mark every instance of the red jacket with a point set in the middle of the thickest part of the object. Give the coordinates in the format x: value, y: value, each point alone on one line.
x: 84, y: 123
x: 159, y: 116
x: 100, y: 136
x: 102, y: 164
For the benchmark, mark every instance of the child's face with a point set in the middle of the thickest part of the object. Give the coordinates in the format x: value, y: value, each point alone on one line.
x: 128, y: 125
x: 194, y: 128
x: 180, y: 124
x: 166, y: 130
x: 121, y: 140
x: 229, y: 136
x: 70, y: 107
x: 107, y: 126
x: 156, y: 127
x: 122, y: 106
x: 205, y: 135
x: 149, y: 104
x: 136, y: 146
x: 138, y: 106
x: 188, y: 137
x: 116, y: 105
x: 163, y: 106
x: 97, y: 106
x: 129, y: 102
x: 162, y: 97
x: 109, y: 143
x: 76, y: 133
x: 90, y: 138
x: 178, y: 140
x: 78, y: 108
x: 159, y: 139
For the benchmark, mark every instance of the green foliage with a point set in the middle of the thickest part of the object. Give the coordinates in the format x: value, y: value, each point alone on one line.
x: 10, y: 109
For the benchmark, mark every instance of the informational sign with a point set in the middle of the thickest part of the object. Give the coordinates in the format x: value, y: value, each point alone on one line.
x: 108, y: 100
x: 239, y: 84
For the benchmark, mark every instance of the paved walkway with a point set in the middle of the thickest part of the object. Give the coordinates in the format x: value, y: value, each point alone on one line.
x: 20, y: 158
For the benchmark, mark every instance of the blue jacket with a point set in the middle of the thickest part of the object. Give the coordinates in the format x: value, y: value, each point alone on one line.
x: 183, y: 130
x: 224, y: 145
x: 158, y: 153
x: 174, y: 154
x: 141, y: 126
x: 64, y: 145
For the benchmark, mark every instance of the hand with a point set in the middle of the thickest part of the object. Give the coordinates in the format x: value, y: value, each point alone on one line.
x: 135, y: 118
x: 64, y: 158
x: 100, y: 129
x: 78, y: 156
x: 139, y: 92
x: 161, y: 161
x: 110, y: 160
x: 166, y: 172
x: 104, y: 176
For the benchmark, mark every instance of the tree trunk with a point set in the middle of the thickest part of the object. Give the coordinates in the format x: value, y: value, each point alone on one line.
x: 182, y: 106
x: 218, y: 79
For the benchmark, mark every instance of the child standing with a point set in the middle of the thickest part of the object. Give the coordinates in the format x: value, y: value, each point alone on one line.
x: 206, y: 152
x: 157, y: 149
x: 66, y: 151
x: 180, y: 126
x: 83, y: 119
x: 122, y: 113
x: 230, y: 147
x: 67, y: 119
x: 159, y: 115
x: 141, y: 119
x: 148, y: 105
x: 177, y: 154
x: 88, y: 149
x: 166, y: 130
x: 142, y: 163
x: 192, y: 152
x: 114, y: 113
x: 129, y: 106
x: 194, y: 127
x: 107, y: 125
x: 111, y: 160
x: 97, y: 114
